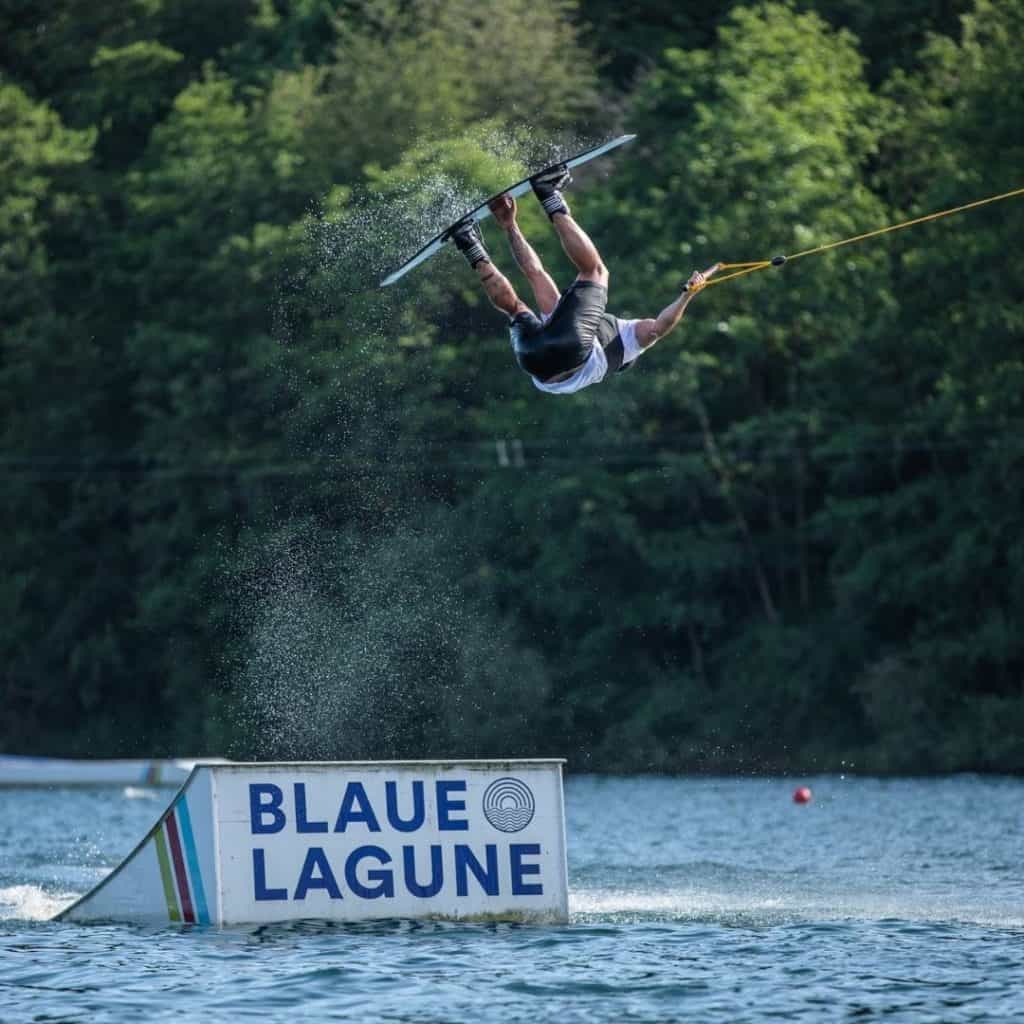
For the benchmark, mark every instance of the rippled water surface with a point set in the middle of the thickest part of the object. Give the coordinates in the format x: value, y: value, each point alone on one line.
x: 702, y: 900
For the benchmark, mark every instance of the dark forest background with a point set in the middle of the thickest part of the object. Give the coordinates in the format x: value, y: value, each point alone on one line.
x: 253, y: 505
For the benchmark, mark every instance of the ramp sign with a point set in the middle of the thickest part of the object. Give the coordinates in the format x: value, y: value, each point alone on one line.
x: 253, y: 843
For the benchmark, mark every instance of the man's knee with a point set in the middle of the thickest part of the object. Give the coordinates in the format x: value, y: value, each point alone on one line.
x: 499, y: 290
x: 598, y: 274
x: 508, y: 302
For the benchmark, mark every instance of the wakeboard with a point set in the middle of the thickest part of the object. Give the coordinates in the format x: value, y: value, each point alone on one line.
x: 481, y: 212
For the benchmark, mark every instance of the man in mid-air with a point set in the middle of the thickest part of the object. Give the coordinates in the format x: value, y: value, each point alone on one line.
x: 574, y: 342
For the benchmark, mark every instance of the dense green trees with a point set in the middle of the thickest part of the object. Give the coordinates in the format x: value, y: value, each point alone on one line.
x: 256, y: 505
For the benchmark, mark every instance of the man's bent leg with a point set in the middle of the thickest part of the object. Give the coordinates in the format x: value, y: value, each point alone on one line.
x: 580, y: 249
x: 470, y: 243
x: 499, y: 289
x: 547, y: 187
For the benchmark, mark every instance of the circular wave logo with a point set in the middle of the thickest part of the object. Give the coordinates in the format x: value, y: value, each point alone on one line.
x: 508, y: 805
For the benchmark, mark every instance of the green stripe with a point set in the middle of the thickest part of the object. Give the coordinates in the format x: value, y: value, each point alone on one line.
x: 165, y: 874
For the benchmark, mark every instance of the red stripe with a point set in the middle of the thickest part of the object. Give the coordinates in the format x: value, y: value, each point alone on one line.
x: 179, y: 868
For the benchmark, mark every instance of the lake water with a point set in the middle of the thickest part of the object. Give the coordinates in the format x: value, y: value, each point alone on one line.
x: 691, y: 899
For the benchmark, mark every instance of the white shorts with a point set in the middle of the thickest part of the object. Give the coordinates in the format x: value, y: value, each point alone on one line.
x: 630, y: 346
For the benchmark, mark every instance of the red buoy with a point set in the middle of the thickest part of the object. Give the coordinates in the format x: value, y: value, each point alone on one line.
x: 801, y: 795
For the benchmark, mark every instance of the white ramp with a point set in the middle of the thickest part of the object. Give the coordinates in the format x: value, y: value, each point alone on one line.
x: 348, y: 841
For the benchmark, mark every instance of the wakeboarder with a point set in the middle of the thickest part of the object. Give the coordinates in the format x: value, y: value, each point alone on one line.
x: 574, y: 342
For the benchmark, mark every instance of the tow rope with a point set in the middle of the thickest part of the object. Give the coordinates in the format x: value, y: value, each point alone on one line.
x: 741, y: 269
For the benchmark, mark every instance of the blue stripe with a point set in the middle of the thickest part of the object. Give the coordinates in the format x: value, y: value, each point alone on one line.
x: 202, y: 914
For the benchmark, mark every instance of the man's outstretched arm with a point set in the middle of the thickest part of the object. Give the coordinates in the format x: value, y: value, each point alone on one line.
x: 545, y: 291
x: 649, y: 331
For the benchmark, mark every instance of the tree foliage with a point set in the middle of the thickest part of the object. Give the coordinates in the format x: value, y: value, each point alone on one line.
x: 255, y: 505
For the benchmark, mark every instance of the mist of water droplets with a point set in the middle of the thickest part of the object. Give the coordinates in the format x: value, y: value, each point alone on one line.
x: 372, y: 650
x: 353, y: 647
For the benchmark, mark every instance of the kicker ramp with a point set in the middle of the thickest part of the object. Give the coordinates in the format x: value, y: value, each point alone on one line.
x: 348, y: 841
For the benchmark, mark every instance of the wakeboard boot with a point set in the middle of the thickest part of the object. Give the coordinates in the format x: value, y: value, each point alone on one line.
x: 468, y: 240
x: 547, y: 187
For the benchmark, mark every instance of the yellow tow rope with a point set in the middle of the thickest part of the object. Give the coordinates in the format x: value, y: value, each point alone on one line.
x: 740, y: 269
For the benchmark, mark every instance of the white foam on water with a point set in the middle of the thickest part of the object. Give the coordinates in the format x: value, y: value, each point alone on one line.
x: 31, y: 903
x: 140, y: 793
x: 695, y: 904
x: 587, y: 906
